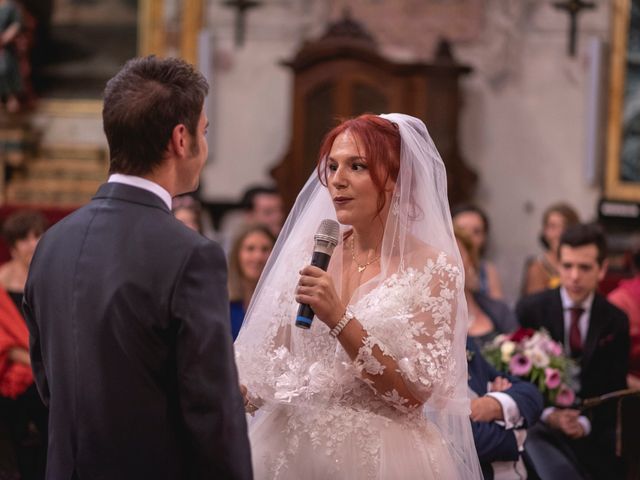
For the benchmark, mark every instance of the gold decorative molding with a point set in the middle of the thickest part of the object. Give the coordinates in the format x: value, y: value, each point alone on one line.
x: 70, y: 108
x: 152, y: 39
x: 191, y: 24
x: 153, y: 31
x: 615, y: 188
x: 151, y: 27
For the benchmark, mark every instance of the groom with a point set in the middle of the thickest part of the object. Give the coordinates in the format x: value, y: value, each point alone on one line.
x: 128, y: 310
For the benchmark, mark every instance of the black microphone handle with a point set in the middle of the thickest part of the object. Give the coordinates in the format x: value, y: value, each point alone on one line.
x: 305, y: 312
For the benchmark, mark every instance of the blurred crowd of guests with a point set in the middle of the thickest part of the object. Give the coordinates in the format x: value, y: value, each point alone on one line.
x: 559, y: 293
x: 514, y: 435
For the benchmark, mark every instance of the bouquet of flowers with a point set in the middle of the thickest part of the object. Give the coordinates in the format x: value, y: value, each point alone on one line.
x: 532, y: 355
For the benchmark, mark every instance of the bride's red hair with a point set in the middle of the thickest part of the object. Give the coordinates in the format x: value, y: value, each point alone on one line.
x: 377, y: 139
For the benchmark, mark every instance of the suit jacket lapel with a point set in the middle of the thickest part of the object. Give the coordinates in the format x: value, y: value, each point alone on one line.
x: 556, y: 318
x: 596, y: 325
x: 477, y: 381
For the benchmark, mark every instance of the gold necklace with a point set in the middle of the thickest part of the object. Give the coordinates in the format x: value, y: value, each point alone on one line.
x: 361, y: 268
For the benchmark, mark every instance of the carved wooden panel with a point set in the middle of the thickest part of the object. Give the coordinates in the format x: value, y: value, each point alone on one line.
x: 342, y: 75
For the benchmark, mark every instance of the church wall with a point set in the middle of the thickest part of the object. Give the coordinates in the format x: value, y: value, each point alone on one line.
x: 524, y: 126
x: 250, y: 105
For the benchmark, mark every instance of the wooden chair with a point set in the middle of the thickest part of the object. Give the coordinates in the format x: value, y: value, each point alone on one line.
x: 627, y: 426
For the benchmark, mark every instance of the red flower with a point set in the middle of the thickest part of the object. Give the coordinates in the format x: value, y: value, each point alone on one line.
x: 521, y: 334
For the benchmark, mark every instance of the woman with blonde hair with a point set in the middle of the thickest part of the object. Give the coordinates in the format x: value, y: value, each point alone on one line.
x: 541, y: 272
x: 248, y: 256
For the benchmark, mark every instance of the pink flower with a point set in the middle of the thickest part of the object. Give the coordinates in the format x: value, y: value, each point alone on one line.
x: 554, y: 348
x: 565, y: 396
x: 520, y: 365
x: 551, y: 378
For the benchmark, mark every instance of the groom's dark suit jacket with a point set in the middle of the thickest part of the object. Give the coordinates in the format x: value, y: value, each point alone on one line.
x: 604, y: 363
x: 131, y: 345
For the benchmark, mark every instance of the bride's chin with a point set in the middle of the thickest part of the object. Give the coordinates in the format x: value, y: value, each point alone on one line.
x: 343, y: 218
x: 349, y: 217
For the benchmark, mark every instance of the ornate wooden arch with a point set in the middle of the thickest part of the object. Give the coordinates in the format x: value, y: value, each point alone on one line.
x: 342, y: 74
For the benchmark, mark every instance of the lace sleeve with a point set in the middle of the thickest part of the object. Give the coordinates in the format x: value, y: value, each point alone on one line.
x: 407, y: 355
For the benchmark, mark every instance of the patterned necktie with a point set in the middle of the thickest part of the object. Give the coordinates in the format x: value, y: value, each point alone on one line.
x: 575, y: 339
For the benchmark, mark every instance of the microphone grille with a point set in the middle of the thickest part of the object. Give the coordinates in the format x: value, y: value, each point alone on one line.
x: 329, y: 230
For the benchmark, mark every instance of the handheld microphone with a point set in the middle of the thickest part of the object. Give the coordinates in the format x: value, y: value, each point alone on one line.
x: 326, y: 239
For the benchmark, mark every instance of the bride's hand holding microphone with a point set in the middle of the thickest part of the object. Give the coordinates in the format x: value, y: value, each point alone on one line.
x: 316, y: 289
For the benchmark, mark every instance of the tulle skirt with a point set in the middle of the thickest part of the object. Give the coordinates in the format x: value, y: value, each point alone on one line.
x: 350, y: 446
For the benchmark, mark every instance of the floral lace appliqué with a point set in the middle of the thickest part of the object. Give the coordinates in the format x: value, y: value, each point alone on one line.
x: 410, y: 318
x: 413, y: 311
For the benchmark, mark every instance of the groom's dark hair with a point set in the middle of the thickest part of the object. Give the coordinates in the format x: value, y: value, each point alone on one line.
x: 143, y: 103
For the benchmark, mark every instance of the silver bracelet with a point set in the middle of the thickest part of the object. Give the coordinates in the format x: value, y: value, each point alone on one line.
x: 346, y: 318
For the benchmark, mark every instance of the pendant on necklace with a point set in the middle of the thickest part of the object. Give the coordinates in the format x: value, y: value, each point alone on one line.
x: 361, y: 268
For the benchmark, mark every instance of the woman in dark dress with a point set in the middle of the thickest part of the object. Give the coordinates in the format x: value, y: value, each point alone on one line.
x: 475, y: 223
x: 488, y: 317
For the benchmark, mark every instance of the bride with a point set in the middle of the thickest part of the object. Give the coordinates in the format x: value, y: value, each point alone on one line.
x: 377, y: 387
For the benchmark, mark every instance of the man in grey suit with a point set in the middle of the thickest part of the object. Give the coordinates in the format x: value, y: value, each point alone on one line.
x: 128, y: 310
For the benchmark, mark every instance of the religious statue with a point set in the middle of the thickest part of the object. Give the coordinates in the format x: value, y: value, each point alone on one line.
x: 10, y: 79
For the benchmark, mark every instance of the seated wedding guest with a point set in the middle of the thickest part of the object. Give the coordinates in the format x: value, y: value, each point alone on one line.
x: 22, y: 412
x: 627, y: 298
x: 541, y: 272
x: 502, y: 408
x: 487, y: 317
x: 21, y: 231
x: 259, y: 205
x: 475, y: 223
x: 188, y: 210
x: 566, y: 444
x: 264, y: 205
x: 247, y: 259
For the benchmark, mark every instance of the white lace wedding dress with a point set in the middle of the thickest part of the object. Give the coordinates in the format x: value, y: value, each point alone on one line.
x: 331, y: 423
x: 324, y: 416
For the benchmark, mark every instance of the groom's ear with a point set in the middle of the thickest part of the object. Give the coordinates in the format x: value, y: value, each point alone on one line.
x: 178, y: 142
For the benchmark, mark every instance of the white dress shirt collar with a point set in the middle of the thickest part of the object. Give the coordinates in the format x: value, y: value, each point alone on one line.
x: 143, y: 183
x: 568, y: 303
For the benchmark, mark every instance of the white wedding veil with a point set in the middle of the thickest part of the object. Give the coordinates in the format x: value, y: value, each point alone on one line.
x: 278, y: 362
